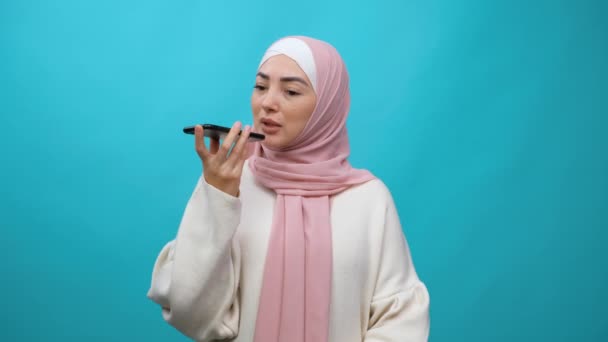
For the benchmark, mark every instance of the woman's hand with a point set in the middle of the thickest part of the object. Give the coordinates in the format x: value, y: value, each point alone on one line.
x: 222, y: 168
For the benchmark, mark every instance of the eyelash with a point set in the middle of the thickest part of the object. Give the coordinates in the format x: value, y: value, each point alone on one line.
x: 289, y: 92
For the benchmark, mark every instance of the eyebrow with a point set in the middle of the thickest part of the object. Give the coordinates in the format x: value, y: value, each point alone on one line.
x: 285, y: 79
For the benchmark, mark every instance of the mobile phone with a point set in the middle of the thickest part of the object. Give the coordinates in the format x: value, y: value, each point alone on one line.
x: 220, y: 132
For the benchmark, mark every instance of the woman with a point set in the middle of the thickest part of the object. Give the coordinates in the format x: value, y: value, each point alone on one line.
x: 291, y: 243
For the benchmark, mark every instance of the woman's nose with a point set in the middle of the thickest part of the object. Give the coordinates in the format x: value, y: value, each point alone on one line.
x: 270, y: 102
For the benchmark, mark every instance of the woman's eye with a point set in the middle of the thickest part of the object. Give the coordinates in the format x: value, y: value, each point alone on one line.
x: 292, y: 92
x: 259, y: 87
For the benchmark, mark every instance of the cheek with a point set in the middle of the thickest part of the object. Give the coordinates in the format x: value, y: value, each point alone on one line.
x: 300, y: 114
x: 311, y: 108
x: 307, y: 109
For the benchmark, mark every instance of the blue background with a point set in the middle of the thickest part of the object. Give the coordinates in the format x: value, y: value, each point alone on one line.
x: 494, y: 147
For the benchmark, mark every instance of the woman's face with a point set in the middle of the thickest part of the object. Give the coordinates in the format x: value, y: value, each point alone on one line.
x: 282, y: 101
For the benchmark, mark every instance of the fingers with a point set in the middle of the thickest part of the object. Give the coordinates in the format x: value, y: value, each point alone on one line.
x: 233, y: 148
x: 237, y: 151
x: 214, y: 145
x: 244, y: 154
x: 229, y: 140
x: 199, y: 142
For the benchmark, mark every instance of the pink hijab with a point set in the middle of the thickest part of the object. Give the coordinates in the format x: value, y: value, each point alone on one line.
x: 296, y: 290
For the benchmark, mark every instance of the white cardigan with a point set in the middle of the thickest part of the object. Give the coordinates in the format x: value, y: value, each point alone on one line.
x: 209, y: 278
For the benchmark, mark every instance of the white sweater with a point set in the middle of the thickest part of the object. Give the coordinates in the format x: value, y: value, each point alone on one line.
x: 209, y: 278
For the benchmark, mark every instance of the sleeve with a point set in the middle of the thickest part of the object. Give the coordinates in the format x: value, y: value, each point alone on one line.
x: 399, y: 310
x: 195, y: 278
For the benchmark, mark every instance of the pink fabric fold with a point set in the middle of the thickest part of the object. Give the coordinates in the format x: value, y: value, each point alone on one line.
x: 296, y: 291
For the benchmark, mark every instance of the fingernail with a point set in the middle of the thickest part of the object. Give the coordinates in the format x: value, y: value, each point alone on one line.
x: 247, y: 127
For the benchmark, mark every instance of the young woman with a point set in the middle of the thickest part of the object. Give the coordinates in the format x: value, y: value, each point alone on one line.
x: 289, y: 242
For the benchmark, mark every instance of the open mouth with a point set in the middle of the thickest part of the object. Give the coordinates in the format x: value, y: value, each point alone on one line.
x: 270, y: 126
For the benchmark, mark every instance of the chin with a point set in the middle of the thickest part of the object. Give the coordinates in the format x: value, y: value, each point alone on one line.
x: 272, y: 143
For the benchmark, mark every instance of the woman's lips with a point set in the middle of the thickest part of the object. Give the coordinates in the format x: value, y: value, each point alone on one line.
x: 270, y: 126
x: 270, y: 129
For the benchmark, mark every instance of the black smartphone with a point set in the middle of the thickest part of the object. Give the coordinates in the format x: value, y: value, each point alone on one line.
x: 220, y: 132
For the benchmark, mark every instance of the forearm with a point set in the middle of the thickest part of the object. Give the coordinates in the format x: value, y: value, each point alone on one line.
x: 195, y: 278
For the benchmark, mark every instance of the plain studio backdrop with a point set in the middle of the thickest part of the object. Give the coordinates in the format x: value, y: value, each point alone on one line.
x: 487, y: 120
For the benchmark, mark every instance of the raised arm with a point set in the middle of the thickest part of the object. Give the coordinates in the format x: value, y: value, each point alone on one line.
x: 196, y: 276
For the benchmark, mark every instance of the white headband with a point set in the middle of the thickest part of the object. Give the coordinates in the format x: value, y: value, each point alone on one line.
x: 297, y: 50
